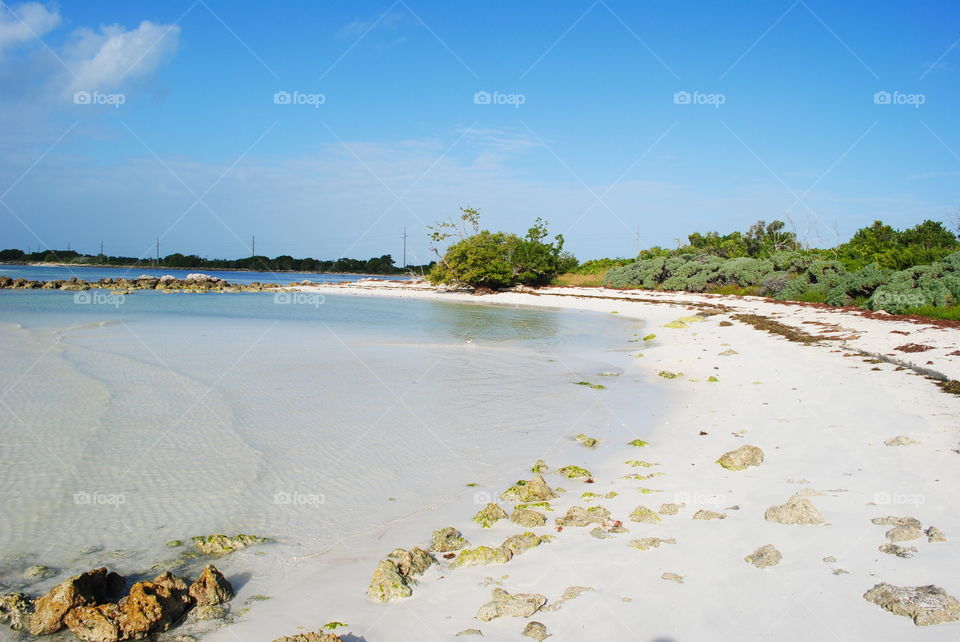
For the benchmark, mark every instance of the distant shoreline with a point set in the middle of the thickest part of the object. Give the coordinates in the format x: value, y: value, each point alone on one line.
x: 188, y: 269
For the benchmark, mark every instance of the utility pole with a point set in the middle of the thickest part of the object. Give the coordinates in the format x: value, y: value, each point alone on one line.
x: 101, y: 248
x: 253, y: 246
x: 158, y: 250
x: 404, y: 264
x: 638, y: 240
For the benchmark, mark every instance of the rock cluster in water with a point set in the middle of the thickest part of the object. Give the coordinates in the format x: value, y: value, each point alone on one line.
x: 90, y: 606
x: 191, y: 283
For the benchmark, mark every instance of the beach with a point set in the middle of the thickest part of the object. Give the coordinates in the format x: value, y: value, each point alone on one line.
x: 820, y: 412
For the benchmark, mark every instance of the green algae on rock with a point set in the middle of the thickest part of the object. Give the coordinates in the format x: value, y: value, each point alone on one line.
x: 482, y: 556
x: 223, y: 544
x: 447, y: 539
x: 527, y: 517
x: 639, y: 443
x: 533, y: 490
x: 589, y: 442
x: 487, y: 516
x: 574, y: 472
x: 644, y: 515
x: 741, y: 458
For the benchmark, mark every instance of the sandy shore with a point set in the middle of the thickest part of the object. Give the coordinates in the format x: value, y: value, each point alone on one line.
x: 820, y: 411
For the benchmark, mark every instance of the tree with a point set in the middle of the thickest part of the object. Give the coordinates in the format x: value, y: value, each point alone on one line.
x: 484, y: 259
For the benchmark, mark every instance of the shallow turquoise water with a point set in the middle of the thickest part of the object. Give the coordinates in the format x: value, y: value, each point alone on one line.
x: 129, y: 422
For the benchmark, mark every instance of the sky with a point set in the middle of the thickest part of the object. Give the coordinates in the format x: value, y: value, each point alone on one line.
x: 328, y: 128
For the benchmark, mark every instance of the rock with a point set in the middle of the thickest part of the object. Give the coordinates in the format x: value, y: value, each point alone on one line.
x: 764, y: 556
x: 797, y: 510
x: 646, y: 543
x: 95, y: 623
x: 466, y: 632
x: 387, y: 583
x: 639, y: 443
x: 578, y: 516
x: 829, y: 559
x: 207, y: 612
x: 174, y: 543
x: 38, y: 572
x: 925, y: 605
x: 447, y: 539
x: 520, y: 544
x: 600, y: 533
x: 223, y: 545
x: 741, y: 458
x: 487, y: 516
x: 708, y: 514
x: 589, y: 442
x: 574, y: 472
x: 92, y: 587
x: 644, y: 515
x: 211, y: 588
x: 506, y: 605
x: 934, y: 535
x: 903, y: 533
x: 906, y: 552
x: 313, y: 636
x: 153, y: 606
x: 15, y: 611
x: 669, y: 509
x: 482, y: 556
x: 891, y: 520
x: 535, y: 630
x: 539, y: 468
x: 534, y: 490
x: 569, y: 593
x: 528, y: 518
x: 413, y: 562
x: 672, y: 577
x: 900, y: 440
x: 841, y: 571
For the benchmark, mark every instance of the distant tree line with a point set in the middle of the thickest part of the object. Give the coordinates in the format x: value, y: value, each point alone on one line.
x: 283, y: 263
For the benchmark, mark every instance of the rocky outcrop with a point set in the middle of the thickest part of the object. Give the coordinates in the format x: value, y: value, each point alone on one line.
x: 644, y: 515
x: 574, y: 472
x: 669, y: 509
x: 934, y: 535
x: 646, y: 543
x: 764, y: 556
x: 224, y: 544
x: 211, y: 588
x: 708, y: 514
x: 797, y: 510
x: 447, y: 539
x: 313, y: 636
x: 527, y: 517
x: 533, y: 490
x: 411, y: 562
x: 741, y: 458
x: 487, y: 516
x: 15, y: 611
x: 578, y: 516
x: 90, y: 588
x: 925, y: 605
x: 900, y: 440
x: 892, y: 520
x: 520, y: 544
x: 903, y: 533
x: 482, y: 556
x: 536, y: 631
x: 505, y: 605
x: 387, y: 583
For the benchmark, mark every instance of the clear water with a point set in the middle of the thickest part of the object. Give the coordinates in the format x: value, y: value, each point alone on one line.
x: 158, y: 417
x: 53, y: 273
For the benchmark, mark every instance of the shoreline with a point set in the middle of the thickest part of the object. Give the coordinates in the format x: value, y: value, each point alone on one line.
x: 820, y: 418
x: 192, y: 269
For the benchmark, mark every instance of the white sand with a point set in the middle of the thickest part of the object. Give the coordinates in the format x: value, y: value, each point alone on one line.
x: 821, y: 419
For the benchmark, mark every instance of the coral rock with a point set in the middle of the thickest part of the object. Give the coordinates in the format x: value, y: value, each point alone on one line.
x: 211, y: 587
x: 797, y: 510
x: 764, y: 556
x: 506, y: 605
x: 741, y: 458
x: 923, y: 604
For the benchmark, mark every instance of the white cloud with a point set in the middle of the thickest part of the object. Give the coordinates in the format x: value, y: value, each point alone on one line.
x: 25, y: 23
x: 103, y: 60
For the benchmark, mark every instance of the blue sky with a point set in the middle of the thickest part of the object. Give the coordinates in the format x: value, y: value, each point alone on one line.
x: 604, y: 117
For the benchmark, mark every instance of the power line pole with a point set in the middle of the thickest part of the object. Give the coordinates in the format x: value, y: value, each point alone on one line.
x: 101, y: 248
x: 158, y: 250
x: 638, y: 240
x: 253, y: 246
x: 404, y: 264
